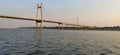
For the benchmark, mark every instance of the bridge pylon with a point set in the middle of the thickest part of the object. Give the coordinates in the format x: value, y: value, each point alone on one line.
x: 39, y: 8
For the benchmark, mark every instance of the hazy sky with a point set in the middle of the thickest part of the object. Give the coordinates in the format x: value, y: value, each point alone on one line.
x: 89, y: 12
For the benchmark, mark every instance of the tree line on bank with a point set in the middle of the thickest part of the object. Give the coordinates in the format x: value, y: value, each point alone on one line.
x: 79, y: 28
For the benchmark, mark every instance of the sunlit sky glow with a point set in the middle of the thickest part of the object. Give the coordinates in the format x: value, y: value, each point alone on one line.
x: 89, y: 12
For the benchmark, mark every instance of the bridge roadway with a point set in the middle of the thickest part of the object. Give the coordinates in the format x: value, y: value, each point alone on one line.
x: 31, y: 19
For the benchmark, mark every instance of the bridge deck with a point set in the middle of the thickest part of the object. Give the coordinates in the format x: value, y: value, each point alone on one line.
x: 31, y: 19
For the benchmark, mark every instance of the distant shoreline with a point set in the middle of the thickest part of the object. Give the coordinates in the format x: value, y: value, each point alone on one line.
x: 115, y: 28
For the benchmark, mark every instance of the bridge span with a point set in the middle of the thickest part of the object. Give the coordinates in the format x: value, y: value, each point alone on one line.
x: 39, y: 21
x: 42, y: 20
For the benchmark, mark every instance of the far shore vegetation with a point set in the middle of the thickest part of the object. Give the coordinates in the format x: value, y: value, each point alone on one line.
x: 114, y: 28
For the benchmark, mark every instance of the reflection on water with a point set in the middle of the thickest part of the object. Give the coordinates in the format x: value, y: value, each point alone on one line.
x: 36, y: 49
x: 58, y: 42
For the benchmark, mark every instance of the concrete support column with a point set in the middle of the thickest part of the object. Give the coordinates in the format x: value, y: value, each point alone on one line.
x: 59, y: 26
x: 41, y: 17
x: 37, y: 19
x: 67, y: 26
x: 70, y: 27
x: 62, y: 26
x: 39, y: 7
x: 76, y: 27
x: 36, y: 25
x: 73, y: 27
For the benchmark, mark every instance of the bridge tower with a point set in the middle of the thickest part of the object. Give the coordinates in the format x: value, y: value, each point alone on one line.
x: 39, y: 8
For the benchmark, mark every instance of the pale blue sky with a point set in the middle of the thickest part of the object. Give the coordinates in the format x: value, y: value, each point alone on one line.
x: 89, y: 12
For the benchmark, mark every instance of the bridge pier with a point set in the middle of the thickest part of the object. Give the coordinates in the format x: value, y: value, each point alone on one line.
x: 67, y: 26
x: 73, y: 27
x: 59, y: 26
x: 37, y: 19
x: 41, y: 17
x: 37, y: 25
x: 77, y: 27
x: 39, y: 7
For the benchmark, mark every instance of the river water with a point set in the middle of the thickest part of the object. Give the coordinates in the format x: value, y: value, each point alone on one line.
x: 59, y: 42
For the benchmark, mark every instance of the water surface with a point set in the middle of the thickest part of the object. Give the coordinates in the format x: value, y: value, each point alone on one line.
x: 59, y: 42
